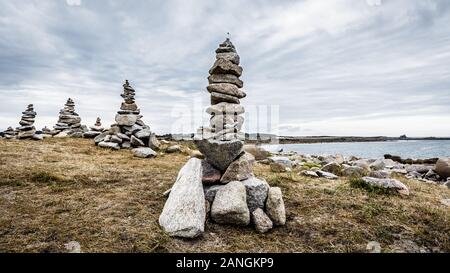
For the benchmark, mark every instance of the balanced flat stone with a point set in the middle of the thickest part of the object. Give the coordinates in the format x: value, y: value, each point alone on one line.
x: 225, y: 78
x: 222, y: 66
x: 184, y: 213
x: 225, y: 108
x: 229, y: 56
x: 219, y: 97
x: 226, y: 89
x: 220, y: 153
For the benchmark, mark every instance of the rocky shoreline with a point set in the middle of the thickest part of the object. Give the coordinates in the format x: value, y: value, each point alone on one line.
x: 378, y: 172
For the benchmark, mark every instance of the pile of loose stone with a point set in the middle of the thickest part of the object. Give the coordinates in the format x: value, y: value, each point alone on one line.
x: 95, y: 130
x: 129, y: 131
x: 69, y: 123
x: 222, y: 187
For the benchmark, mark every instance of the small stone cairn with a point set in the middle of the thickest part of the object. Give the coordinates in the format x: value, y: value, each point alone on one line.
x: 222, y: 187
x: 95, y: 130
x: 27, y: 129
x: 9, y: 133
x: 129, y: 131
x: 69, y: 123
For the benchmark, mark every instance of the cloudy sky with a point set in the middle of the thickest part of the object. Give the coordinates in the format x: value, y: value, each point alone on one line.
x: 356, y: 67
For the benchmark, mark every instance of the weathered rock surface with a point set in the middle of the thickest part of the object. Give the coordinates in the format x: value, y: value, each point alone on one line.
x: 387, y: 184
x: 144, y: 152
x: 184, y: 213
x: 275, y: 207
x: 110, y: 145
x: 327, y: 175
x: 220, y: 154
x: 262, y: 222
x: 442, y: 167
x: 333, y: 167
x: 240, y: 169
x: 257, y: 191
x: 210, y: 175
x: 230, y: 205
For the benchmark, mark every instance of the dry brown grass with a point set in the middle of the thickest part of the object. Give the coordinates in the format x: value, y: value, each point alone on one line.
x: 60, y: 190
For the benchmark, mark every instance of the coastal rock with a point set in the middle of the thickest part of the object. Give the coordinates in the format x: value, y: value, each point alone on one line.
x: 377, y: 165
x: 143, y: 152
x: 218, y: 153
x: 354, y: 171
x: 184, y: 213
x: 275, y: 207
x: 240, y: 169
x: 257, y: 191
x: 210, y: 175
x: 258, y: 152
x: 422, y: 169
x: 262, y: 222
x: 282, y: 160
x: 327, y: 175
x: 173, y: 149
x: 279, y: 167
x: 230, y: 205
x: 442, y: 167
x: 333, y: 167
x: 309, y: 174
x: 387, y: 184
x: 363, y: 163
x: 110, y: 145
x: 379, y: 174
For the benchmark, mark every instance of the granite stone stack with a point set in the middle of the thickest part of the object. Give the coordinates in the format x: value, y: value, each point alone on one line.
x: 69, y: 123
x: 27, y: 129
x: 231, y: 194
x: 9, y: 133
x: 95, y: 130
x: 129, y: 131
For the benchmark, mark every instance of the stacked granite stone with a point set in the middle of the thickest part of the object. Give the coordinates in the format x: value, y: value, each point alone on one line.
x: 95, y: 130
x: 222, y: 187
x: 129, y: 131
x: 69, y: 123
x: 9, y: 133
x: 27, y: 129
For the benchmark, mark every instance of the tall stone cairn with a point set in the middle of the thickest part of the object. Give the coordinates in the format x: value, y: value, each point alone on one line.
x: 69, y: 121
x: 231, y: 194
x: 129, y: 131
x: 27, y: 129
x: 222, y: 141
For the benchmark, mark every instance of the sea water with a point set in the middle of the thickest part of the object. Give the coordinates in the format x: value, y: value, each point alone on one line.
x: 417, y: 149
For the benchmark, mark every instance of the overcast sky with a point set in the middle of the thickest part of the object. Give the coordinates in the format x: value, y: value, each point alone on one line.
x: 356, y: 67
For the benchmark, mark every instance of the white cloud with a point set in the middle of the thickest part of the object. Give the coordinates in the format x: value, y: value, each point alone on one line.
x: 333, y: 67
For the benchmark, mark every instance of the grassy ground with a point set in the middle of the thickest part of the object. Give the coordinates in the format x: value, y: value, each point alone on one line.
x: 61, y: 190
